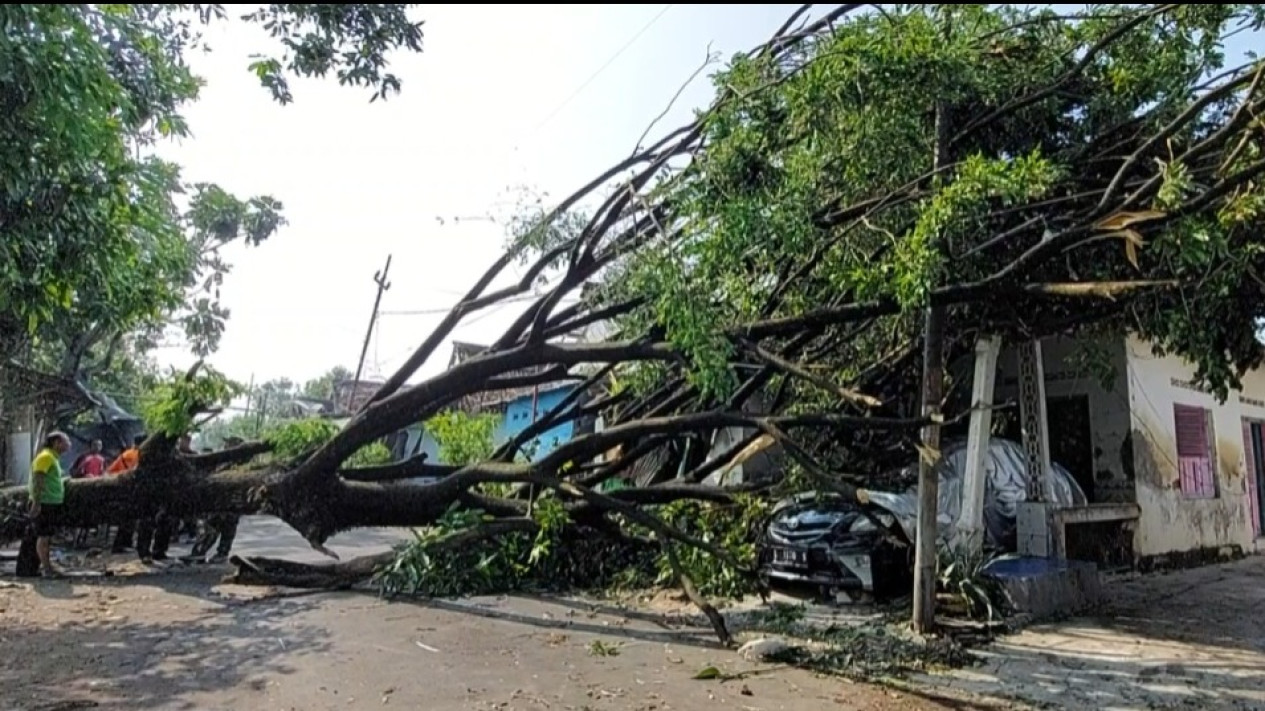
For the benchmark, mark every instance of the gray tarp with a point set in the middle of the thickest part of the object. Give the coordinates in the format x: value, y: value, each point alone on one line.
x: 1005, y: 470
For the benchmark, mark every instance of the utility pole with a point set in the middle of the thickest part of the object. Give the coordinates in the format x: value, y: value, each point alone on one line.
x: 263, y: 414
x: 250, y: 400
x: 250, y: 393
x: 379, y: 278
x: 924, y: 619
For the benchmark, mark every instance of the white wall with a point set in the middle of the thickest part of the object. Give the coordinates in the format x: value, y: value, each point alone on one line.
x: 1170, y: 522
x: 19, y: 458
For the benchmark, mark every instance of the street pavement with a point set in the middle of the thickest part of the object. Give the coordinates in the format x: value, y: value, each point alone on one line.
x: 271, y: 537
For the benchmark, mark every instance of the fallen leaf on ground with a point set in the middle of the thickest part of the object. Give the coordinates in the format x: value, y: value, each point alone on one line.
x: 708, y: 673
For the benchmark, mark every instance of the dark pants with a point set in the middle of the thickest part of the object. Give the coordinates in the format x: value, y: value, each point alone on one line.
x: 43, y: 525
x: 123, y: 539
x: 221, y: 527
x: 153, y: 536
x: 28, y: 559
x: 48, y: 521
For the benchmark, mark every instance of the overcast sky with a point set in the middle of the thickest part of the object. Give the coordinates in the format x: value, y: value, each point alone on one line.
x: 545, y: 96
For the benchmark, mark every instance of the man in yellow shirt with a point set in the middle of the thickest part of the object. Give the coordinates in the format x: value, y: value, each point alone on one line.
x: 48, y: 493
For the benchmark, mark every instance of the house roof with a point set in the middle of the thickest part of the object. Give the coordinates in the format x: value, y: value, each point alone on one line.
x: 350, y: 395
x: 462, y: 351
x: 27, y: 386
x: 478, y: 402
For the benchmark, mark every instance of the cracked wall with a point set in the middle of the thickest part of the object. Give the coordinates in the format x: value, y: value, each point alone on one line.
x: 1171, y: 522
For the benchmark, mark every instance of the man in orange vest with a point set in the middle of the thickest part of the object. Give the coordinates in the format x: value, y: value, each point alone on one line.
x: 153, y: 530
x: 126, y: 461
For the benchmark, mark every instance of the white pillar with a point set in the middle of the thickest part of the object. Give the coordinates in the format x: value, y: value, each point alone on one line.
x: 977, y: 442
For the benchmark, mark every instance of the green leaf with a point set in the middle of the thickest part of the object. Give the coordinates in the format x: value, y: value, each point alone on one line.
x: 708, y: 673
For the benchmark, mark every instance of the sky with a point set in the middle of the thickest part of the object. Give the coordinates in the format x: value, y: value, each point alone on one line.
x: 503, y: 98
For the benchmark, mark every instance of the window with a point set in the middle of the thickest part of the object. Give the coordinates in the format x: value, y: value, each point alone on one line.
x: 1195, y: 461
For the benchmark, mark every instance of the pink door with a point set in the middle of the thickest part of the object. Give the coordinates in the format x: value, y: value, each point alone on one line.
x: 1250, y: 454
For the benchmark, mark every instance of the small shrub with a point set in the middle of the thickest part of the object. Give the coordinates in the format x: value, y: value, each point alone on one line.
x: 962, y: 573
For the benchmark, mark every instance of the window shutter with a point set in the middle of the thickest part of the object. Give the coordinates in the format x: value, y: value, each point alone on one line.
x: 1191, y: 424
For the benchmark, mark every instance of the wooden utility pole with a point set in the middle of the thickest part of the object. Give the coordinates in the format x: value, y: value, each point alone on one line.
x: 379, y: 278
x: 928, y: 479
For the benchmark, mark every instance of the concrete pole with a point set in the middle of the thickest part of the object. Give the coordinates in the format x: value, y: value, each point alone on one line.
x: 924, y: 616
x: 379, y: 278
x: 978, y: 440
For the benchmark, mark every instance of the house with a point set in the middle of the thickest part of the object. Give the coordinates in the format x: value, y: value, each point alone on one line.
x: 302, y: 406
x: 525, y: 408
x: 517, y: 408
x: 1171, y: 473
x: 28, y: 396
x: 350, y: 394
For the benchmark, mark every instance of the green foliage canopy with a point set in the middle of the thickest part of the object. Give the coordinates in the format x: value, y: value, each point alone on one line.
x: 814, y: 184
x: 102, y: 238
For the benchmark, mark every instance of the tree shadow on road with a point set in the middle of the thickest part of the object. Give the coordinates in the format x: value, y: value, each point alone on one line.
x: 115, y: 661
x: 548, y: 613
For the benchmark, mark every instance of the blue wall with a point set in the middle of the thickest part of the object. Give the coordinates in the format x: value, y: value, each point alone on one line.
x: 518, y: 415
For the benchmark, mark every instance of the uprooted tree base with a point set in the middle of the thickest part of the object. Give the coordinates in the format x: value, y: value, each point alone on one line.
x: 1085, y: 188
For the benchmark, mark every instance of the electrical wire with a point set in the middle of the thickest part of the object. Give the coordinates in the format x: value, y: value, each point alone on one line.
x: 606, y: 65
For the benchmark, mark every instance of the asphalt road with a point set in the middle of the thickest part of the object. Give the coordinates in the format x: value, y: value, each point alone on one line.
x: 270, y: 537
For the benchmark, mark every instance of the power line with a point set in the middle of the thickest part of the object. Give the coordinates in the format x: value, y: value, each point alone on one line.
x: 445, y: 309
x: 618, y: 53
x: 557, y: 110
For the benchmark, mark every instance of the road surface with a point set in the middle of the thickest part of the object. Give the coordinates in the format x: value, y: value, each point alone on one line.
x: 270, y: 537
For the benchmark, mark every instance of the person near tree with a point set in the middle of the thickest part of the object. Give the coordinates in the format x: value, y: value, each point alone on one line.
x: 217, y: 528
x: 91, y: 464
x: 188, y: 526
x: 126, y: 461
x: 152, y: 531
x: 47, y: 490
x: 130, y: 457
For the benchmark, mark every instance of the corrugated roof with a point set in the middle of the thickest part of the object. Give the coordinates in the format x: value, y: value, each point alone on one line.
x: 482, y: 401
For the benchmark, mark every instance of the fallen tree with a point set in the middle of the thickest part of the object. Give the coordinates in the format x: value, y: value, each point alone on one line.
x: 1105, y: 173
